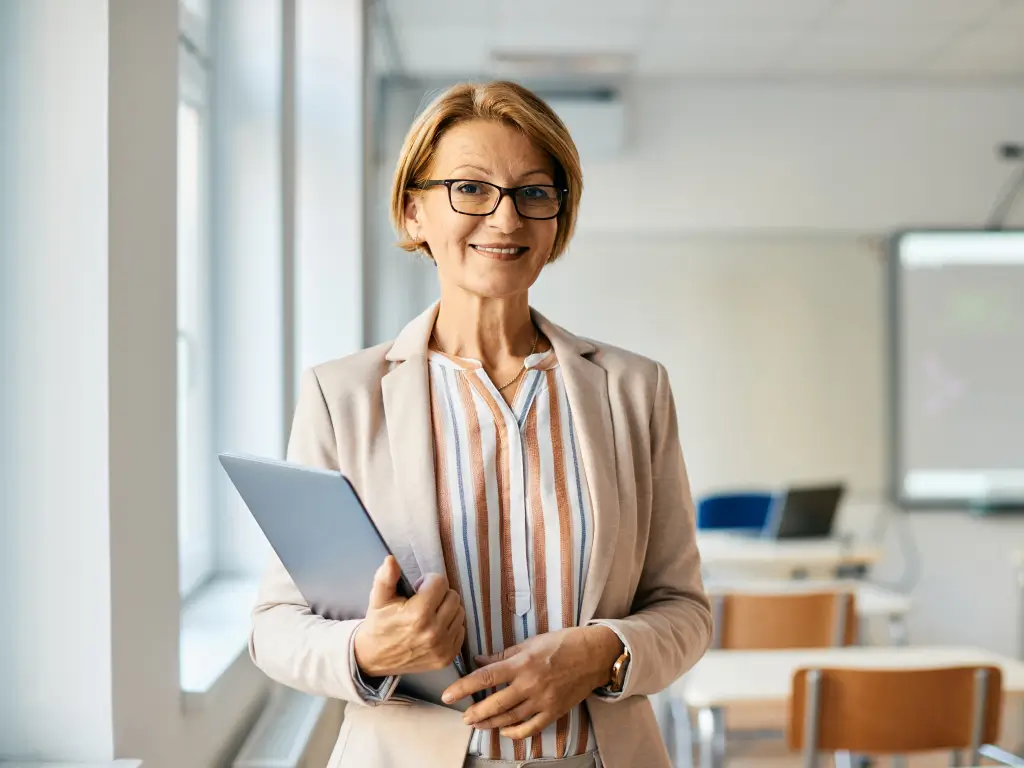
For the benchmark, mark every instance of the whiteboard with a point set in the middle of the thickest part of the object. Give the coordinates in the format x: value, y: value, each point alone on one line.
x: 957, y: 309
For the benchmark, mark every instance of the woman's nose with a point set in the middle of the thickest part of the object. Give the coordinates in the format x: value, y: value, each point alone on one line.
x: 505, y: 217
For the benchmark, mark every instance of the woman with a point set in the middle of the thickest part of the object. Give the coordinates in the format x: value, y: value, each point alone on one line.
x: 530, y: 480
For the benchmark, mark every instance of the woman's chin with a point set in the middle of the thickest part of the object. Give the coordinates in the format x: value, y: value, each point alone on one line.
x: 496, y: 286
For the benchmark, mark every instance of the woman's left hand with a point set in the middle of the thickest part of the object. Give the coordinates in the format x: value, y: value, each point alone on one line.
x: 547, y: 676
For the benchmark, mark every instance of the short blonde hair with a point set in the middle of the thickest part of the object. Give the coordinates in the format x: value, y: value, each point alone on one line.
x: 503, y: 101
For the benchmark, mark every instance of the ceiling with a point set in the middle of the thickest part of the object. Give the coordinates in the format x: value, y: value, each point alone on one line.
x: 941, y: 39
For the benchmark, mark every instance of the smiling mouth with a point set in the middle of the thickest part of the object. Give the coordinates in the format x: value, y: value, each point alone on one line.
x: 500, y: 253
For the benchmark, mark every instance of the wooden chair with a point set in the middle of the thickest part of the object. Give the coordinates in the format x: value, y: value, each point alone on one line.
x: 894, y: 711
x: 770, y: 620
x: 813, y: 619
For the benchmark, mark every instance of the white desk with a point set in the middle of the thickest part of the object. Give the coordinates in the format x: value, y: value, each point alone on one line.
x: 724, y: 548
x: 871, y: 599
x: 1018, y: 561
x: 724, y: 678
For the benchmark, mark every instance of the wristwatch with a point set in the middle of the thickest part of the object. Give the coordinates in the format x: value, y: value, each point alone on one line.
x: 619, y: 669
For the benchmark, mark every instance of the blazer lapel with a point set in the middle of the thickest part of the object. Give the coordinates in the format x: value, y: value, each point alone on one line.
x: 586, y: 384
x: 406, y: 392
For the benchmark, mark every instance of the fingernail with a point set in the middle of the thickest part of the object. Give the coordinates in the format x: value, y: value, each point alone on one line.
x: 447, y: 698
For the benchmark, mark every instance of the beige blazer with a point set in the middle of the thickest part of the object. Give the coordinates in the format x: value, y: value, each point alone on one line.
x: 369, y: 416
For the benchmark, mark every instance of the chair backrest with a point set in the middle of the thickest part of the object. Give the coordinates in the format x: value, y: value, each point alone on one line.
x: 761, y: 621
x: 892, y: 711
x: 734, y: 510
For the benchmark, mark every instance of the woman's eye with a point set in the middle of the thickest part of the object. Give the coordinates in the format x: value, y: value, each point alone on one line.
x: 534, y: 193
x: 469, y: 189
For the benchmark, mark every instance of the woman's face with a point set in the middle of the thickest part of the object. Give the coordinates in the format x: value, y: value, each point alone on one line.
x: 493, y: 256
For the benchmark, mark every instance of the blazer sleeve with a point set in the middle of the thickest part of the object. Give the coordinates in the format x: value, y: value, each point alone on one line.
x: 670, y: 627
x: 286, y: 640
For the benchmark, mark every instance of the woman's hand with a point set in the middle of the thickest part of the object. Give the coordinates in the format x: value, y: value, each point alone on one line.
x: 547, y: 676
x: 402, y: 636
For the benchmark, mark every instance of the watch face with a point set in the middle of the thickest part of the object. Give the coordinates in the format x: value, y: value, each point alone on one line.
x: 619, y: 671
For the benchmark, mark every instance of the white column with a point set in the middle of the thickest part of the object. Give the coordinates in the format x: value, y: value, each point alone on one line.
x: 88, y: 562
x: 55, y: 639
x: 142, y: 365
x: 89, y: 370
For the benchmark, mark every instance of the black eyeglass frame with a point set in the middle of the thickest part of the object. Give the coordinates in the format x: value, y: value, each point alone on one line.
x: 502, y: 192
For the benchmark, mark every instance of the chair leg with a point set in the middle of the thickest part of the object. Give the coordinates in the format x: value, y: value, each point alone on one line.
x: 711, y: 728
x: 898, y: 630
x: 682, y: 733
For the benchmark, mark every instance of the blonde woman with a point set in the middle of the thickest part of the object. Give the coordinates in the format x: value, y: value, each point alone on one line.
x: 533, y: 481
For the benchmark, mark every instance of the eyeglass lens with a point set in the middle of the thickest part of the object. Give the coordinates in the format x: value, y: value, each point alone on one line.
x: 479, y: 197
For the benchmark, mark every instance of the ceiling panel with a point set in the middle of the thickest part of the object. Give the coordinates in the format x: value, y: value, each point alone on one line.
x: 581, y: 37
x: 695, y: 37
x: 538, y: 14
x: 749, y: 11
x: 870, y: 50
x: 913, y: 12
x: 695, y: 50
x: 992, y: 51
x: 444, y: 50
x: 440, y: 12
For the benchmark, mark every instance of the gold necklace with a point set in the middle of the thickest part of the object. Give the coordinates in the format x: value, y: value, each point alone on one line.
x: 510, y: 382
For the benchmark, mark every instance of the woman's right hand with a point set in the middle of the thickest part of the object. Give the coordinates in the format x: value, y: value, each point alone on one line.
x: 403, y: 636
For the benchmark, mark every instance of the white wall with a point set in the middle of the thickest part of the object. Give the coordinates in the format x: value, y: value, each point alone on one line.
x: 772, y: 345
x: 736, y: 238
x: 862, y: 157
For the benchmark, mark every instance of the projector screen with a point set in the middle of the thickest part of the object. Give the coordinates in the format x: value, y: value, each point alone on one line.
x: 958, y: 368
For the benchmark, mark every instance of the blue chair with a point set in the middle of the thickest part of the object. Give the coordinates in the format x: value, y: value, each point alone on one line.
x: 747, y: 510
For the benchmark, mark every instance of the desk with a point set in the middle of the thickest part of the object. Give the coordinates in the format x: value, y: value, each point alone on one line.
x: 1018, y: 562
x: 723, y: 548
x: 872, y: 600
x: 723, y: 678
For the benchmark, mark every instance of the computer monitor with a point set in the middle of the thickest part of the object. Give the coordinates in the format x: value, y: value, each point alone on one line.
x: 806, y: 512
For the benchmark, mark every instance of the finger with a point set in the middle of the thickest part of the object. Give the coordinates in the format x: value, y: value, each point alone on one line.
x: 384, y: 583
x: 493, y: 706
x: 531, y: 727
x: 518, y: 714
x: 508, y: 653
x: 431, y: 594
x: 456, y: 631
x: 479, y: 680
x: 449, y: 609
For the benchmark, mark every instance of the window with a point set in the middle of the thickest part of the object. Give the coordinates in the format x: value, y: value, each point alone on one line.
x: 195, y: 316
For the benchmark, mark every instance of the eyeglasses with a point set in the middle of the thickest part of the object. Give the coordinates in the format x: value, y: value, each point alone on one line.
x: 481, y: 198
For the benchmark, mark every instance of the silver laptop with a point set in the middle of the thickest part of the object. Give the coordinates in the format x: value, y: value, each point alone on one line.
x: 329, y: 545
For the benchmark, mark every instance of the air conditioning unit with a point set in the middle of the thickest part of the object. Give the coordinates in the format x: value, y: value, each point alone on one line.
x: 597, y: 122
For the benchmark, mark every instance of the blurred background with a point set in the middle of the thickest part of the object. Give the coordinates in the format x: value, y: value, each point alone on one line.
x: 193, y: 208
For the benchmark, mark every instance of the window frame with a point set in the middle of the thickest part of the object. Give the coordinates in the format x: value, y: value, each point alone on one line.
x: 196, y: 507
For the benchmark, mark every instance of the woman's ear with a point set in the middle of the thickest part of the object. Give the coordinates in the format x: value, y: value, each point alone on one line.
x: 413, y: 215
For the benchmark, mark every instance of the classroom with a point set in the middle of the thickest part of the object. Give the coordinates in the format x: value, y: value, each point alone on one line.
x: 704, y: 449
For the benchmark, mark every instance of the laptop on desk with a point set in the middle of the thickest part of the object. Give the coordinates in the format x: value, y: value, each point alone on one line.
x: 804, y: 512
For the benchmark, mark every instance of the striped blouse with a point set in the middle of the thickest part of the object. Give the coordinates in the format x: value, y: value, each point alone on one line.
x: 515, y: 522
